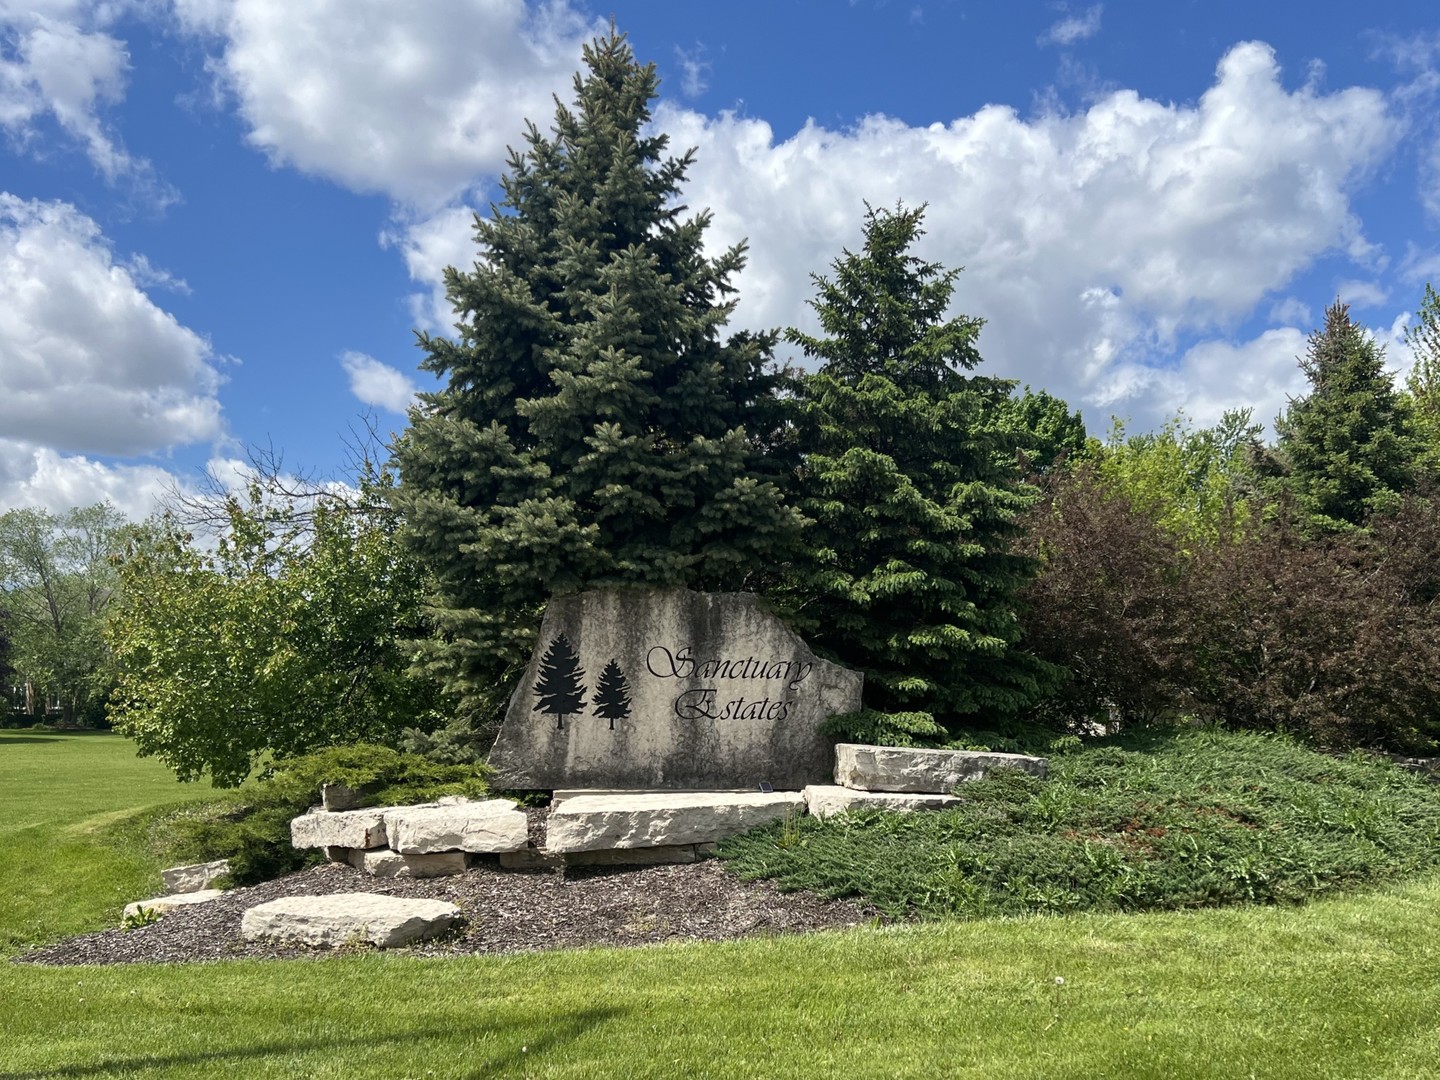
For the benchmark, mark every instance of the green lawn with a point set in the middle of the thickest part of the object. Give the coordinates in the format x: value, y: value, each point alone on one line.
x: 1348, y: 987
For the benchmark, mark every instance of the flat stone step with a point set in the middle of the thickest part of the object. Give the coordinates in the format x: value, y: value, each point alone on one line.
x: 826, y: 800
x: 163, y: 905
x: 489, y: 825
x: 904, y: 769
x: 385, y: 863
x: 662, y: 818
x: 343, y: 918
x: 341, y: 829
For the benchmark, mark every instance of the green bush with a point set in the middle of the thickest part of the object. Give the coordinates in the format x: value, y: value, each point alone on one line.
x: 252, y: 830
x: 1194, y: 818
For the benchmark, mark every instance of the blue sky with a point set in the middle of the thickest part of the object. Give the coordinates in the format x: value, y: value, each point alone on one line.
x: 221, y: 220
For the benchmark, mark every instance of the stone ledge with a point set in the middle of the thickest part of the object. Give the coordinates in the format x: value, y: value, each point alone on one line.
x: 908, y: 770
x: 491, y: 825
x: 661, y: 819
x: 343, y: 918
x: 163, y: 905
x: 344, y: 829
x: 825, y: 800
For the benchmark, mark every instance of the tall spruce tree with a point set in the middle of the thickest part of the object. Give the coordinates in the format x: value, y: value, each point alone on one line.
x: 594, y: 428
x: 1346, y: 447
x: 1423, y: 382
x: 910, y: 475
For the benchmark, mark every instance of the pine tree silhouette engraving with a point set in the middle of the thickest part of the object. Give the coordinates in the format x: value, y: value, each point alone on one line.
x: 559, y: 688
x: 612, y: 694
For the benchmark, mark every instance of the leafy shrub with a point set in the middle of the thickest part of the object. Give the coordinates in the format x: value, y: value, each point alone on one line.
x: 253, y: 830
x: 1195, y: 818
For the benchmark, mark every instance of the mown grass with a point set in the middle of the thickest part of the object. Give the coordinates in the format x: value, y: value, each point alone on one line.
x: 1191, y: 818
x: 72, y: 850
x: 1347, y: 987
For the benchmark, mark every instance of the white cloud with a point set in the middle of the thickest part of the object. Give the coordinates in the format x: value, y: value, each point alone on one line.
x: 1074, y: 28
x: 1093, y: 242
x: 1292, y: 311
x: 38, y: 477
x: 88, y: 364
x: 57, y: 59
x: 693, y: 70
x: 429, y: 243
x: 1361, y: 294
x: 1261, y: 374
x: 378, y: 384
x: 417, y: 101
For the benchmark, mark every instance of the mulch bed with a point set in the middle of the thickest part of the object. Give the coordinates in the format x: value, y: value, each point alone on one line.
x: 504, y: 910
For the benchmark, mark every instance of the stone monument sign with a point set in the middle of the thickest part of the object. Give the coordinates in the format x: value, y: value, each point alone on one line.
x: 668, y: 688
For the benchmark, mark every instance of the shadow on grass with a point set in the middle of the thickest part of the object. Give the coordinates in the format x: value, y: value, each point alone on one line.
x: 555, y: 1032
x: 6, y: 738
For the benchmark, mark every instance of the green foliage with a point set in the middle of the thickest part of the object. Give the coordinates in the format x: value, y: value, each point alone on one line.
x: 1188, y: 481
x: 914, y: 490
x: 286, y: 638
x: 595, y: 428
x: 1197, y: 818
x: 56, y: 580
x: 1346, y: 449
x: 1423, y: 382
x: 1045, y: 429
x: 253, y: 832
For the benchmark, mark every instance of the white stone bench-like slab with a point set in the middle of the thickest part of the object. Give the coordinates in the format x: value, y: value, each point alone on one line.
x: 489, y: 825
x: 341, y: 829
x: 345, y: 918
x: 903, y: 769
x: 826, y: 800
x: 662, y: 818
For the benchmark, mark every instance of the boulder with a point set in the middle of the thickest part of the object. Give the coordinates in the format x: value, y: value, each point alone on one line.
x: 345, y: 829
x: 163, y: 905
x: 660, y: 819
x: 826, y: 800
x: 904, y: 769
x: 344, y: 797
x: 643, y: 688
x: 489, y: 825
x: 345, y: 918
x: 194, y: 877
x: 385, y: 863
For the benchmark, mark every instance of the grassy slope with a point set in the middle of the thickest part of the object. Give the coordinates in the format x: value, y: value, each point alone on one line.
x: 63, y: 867
x: 1344, y: 988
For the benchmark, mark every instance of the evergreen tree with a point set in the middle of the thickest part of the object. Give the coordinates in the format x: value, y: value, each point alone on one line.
x: 612, y: 695
x: 595, y: 428
x: 913, y: 484
x: 1047, y: 431
x: 1423, y: 382
x: 559, y: 687
x: 1346, y: 447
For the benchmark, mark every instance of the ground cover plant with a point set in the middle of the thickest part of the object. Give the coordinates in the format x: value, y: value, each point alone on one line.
x: 1182, y: 819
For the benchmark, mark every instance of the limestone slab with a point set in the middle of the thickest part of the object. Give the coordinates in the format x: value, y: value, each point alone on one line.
x: 904, y: 769
x: 344, y: 797
x: 346, y: 829
x: 669, y: 688
x: 163, y: 905
x: 486, y: 826
x: 194, y: 877
x: 658, y: 819
x: 827, y: 800
x: 344, y: 918
x: 385, y: 863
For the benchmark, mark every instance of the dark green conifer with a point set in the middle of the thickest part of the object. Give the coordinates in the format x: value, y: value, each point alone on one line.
x: 595, y: 427
x: 1347, y: 446
x: 911, y: 478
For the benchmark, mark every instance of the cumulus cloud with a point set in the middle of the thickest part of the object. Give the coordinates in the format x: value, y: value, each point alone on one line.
x: 378, y: 384
x: 88, y: 364
x: 58, y: 59
x: 1361, y: 294
x: 1094, y: 242
x: 39, y: 477
x: 694, y: 70
x: 415, y: 101
x: 429, y: 243
x: 1074, y: 28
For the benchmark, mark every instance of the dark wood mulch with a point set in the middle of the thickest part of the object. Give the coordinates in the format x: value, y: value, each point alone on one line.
x: 505, y: 911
